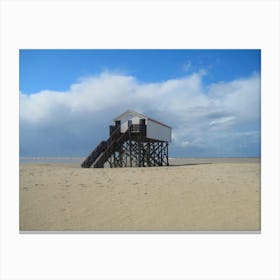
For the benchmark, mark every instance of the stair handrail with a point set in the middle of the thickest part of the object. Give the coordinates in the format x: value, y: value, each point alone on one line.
x: 104, y: 155
x: 97, y: 150
x: 115, y: 132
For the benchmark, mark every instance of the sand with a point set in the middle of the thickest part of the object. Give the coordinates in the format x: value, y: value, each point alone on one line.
x: 204, y: 195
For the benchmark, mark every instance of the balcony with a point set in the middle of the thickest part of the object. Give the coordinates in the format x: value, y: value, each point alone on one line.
x: 139, y: 129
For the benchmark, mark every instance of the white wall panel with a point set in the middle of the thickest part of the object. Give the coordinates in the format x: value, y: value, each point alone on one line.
x: 158, y: 131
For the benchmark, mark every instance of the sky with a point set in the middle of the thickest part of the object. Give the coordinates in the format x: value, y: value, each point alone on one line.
x: 210, y: 98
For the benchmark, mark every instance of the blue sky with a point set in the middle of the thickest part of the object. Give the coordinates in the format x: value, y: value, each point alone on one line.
x: 211, y: 98
x: 58, y: 69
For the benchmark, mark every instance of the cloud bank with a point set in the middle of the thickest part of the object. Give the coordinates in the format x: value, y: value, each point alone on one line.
x: 221, y: 119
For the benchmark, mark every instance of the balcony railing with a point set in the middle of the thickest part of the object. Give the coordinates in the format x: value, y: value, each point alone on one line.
x: 135, y: 129
x: 138, y: 128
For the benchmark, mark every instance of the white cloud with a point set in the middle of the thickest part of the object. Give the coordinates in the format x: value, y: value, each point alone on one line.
x: 74, y: 121
x: 241, y: 97
x: 222, y: 123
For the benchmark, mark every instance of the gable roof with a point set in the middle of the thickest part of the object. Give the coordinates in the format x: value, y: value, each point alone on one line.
x: 140, y: 116
x: 130, y: 112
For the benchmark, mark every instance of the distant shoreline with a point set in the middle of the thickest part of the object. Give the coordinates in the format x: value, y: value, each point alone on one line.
x: 172, y: 161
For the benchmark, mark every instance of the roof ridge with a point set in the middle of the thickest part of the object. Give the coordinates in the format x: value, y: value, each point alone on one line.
x: 140, y: 114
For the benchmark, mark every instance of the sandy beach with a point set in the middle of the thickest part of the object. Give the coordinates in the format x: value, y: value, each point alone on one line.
x: 189, y: 195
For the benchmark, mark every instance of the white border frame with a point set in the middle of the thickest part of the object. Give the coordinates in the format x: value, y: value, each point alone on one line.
x: 140, y: 24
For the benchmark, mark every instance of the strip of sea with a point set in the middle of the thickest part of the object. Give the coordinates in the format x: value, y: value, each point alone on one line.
x: 172, y: 161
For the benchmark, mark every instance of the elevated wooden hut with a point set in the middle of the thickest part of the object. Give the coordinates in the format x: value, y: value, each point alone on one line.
x: 135, y: 140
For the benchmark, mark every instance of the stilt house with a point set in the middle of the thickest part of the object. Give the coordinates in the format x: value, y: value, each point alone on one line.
x: 135, y: 140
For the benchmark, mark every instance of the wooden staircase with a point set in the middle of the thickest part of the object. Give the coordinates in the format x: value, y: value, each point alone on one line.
x: 94, y: 155
x: 111, y: 146
x: 104, y: 150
